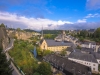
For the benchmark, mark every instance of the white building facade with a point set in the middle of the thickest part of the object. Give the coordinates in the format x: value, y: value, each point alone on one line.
x: 92, y: 65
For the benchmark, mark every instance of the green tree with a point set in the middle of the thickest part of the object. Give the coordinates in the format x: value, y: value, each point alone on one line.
x: 50, y: 36
x: 2, y: 25
x: 78, y: 47
x: 63, y: 52
x: 39, y: 51
x: 46, y: 52
x: 18, y: 29
x: 96, y: 35
x: 84, y: 34
x: 4, y: 65
x: 44, y: 69
x: 81, y: 38
x: 36, y: 73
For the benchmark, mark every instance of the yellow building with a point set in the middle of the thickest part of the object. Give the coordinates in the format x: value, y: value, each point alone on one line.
x: 48, y: 44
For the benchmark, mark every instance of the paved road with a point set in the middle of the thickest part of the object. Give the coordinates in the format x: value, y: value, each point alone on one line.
x: 15, y: 70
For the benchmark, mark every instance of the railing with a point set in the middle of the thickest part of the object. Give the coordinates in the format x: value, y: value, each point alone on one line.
x: 20, y: 71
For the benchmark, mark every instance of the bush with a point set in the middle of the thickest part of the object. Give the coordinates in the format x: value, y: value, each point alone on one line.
x: 36, y: 73
x: 44, y: 69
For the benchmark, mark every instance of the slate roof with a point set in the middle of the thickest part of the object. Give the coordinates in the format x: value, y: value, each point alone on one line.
x: 96, y: 55
x: 87, y: 49
x: 83, y: 56
x: 88, y: 42
x: 56, y: 43
x: 69, y: 67
x: 70, y: 49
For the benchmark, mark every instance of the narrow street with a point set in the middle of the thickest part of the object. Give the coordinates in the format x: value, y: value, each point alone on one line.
x: 15, y: 70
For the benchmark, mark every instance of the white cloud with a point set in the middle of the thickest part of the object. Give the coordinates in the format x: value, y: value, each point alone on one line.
x: 81, y: 21
x: 33, y: 23
x: 36, y: 23
x: 92, y: 15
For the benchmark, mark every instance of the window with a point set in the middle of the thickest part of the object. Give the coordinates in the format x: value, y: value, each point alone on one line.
x: 44, y: 47
x: 93, y: 68
x: 93, y: 64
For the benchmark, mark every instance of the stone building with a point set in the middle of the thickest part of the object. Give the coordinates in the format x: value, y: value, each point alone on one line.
x: 66, y: 66
x: 85, y: 59
x: 48, y: 44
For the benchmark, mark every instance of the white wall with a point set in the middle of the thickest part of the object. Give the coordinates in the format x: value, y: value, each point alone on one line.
x: 88, y: 46
x: 98, y: 60
x: 93, y: 66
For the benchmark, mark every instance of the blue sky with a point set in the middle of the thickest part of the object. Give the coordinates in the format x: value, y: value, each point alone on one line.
x: 51, y: 14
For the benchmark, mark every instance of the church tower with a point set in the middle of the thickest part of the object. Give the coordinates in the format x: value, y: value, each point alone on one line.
x: 63, y: 35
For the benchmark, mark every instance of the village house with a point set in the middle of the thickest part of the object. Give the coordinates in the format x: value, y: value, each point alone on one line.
x: 89, y: 44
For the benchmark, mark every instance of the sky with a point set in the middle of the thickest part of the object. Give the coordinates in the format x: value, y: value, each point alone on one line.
x: 50, y: 14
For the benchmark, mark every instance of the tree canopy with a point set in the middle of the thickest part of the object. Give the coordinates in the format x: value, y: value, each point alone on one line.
x: 97, y: 33
x: 44, y: 69
x: 2, y: 25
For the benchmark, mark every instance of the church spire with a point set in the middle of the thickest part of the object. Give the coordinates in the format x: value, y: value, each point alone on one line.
x: 42, y: 33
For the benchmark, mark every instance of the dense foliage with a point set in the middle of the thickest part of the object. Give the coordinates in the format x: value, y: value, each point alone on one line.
x: 87, y: 35
x: 51, y: 31
x: 2, y: 25
x: 29, y: 30
x: 25, y: 60
x: 44, y: 69
x: 22, y: 56
x: 50, y: 36
x: 63, y: 52
x: 43, y: 53
x: 4, y: 65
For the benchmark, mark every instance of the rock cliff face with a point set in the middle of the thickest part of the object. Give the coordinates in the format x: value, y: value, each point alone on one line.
x: 4, y: 40
x: 23, y: 35
x: 20, y: 34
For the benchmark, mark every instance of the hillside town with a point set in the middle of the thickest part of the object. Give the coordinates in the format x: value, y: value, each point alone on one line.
x: 66, y: 54
x: 88, y: 56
